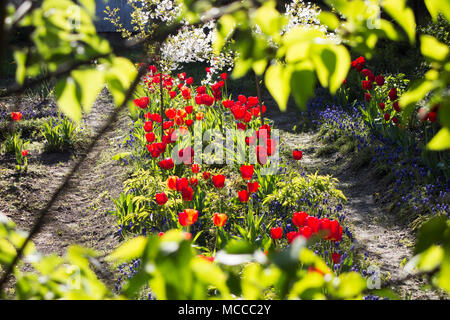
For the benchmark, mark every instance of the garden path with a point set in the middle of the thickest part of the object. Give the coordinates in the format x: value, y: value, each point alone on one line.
x: 379, y: 237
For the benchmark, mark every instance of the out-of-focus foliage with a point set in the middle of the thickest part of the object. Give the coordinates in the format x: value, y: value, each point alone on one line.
x: 64, y: 39
x: 172, y: 269
x: 433, y: 251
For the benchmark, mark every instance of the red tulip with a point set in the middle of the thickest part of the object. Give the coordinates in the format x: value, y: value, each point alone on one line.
x: 186, y: 93
x: 396, y: 106
x: 243, y: 195
x: 228, y: 103
x: 247, y: 172
x: 187, y: 217
x: 306, y: 231
x: 218, y: 181
x: 189, y: 109
x: 150, y: 137
x: 271, y: 145
x: 142, y: 102
x: 201, y: 90
x: 393, y: 94
x: 366, y: 72
x: 367, y: 96
x: 242, y: 99
x: 313, y: 223
x: 336, y: 257
x: 432, y: 116
x: 219, y: 219
x: 252, y: 102
x: 292, y: 235
x: 167, y: 164
x: 199, y: 116
x: 193, y: 181
x: 336, y: 231
x: 324, y: 228
x: 299, y: 218
x: 171, y: 113
x: 297, y: 154
x: 261, y: 154
x: 253, y: 186
x: 206, y: 175
x: 250, y: 140
x: 181, y: 184
x: 16, y: 116
x: 148, y: 126
x: 153, y: 150
x: 161, y: 198
x: 381, y: 105
x: 195, y: 168
x: 156, y: 117
x: 276, y: 233
x: 387, y: 116
x: 24, y: 153
x: 241, y: 126
x: 379, y: 80
x: 187, y: 193
x: 172, y: 182
x: 367, y: 85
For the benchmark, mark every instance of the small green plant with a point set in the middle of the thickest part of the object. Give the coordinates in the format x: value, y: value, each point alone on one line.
x: 59, y: 134
x: 15, y: 144
x: 312, y: 188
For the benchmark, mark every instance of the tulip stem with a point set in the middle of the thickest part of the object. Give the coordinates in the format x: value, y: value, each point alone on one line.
x: 258, y: 92
x: 162, y: 101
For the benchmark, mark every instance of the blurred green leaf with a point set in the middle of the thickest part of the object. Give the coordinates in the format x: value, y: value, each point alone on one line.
x: 132, y: 249
x: 441, y: 141
x: 277, y: 80
x: 403, y: 15
x: 432, y: 48
x: 430, y: 233
x: 438, y: 6
x: 68, y: 99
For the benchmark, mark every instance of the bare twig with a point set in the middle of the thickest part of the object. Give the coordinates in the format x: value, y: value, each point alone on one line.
x: 258, y: 92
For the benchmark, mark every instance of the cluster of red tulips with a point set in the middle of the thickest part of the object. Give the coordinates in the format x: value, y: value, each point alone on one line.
x: 252, y: 187
x: 244, y: 109
x: 368, y: 83
x: 308, y: 226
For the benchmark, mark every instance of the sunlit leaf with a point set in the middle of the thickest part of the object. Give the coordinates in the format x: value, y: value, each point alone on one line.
x: 403, y: 15
x: 441, y: 141
x: 432, y: 48
x: 68, y: 99
x: 131, y: 249
x: 277, y: 80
